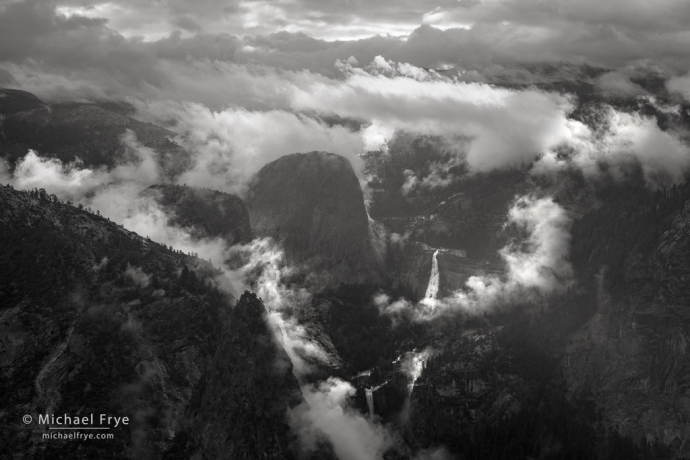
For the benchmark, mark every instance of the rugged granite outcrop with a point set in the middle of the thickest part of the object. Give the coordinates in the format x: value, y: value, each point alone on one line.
x: 313, y: 204
x: 205, y: 213
x: 96, y: 319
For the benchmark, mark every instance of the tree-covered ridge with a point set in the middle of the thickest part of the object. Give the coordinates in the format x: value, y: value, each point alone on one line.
x: 97, y: 319
x: 14, y: 100
x: 72, y: 245
x: 206, y: 213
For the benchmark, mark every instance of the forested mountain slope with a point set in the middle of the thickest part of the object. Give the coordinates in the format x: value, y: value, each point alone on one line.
x: 96, y: 319
x: 205, y: 213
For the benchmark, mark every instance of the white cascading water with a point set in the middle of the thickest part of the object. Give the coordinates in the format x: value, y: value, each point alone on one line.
x: 413, y: 366
x: 370, y: 400
x: 432, y: 288
x: 416, y: 367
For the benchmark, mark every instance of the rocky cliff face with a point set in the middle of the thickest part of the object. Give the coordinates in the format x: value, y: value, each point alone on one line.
x: 632, y: 354
x: 472, y: 380
x: 238, y: 409
x: 95, y: 319
x: 205, y: 213
x: 313, y: 204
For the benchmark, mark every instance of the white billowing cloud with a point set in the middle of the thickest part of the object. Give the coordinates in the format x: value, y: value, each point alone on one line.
x: 70, y: 181
x: 229, y: 146
x: 541, y: 261
x: 618, y: 84
x: 376, y: 136
x: 410, y: 183
x: 115, y: 193
x: 680, y: 85
x: 438, y: 177
x: 217, y: 84
x: 138, y: 276
x: 263, y: 268
x: 537, y: 265
x: 143, y: 216
x: 326, y: 415
x: 626, y: 140
x: 35, y: 172
x: 509, y: 127
x: 505, y: 127
x: 534, y: 266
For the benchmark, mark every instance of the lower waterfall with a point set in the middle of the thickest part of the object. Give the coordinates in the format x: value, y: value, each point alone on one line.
x: 413, y: 365
x: 370, y: 400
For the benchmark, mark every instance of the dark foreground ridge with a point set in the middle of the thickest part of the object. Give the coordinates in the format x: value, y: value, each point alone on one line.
x: 96, y: 319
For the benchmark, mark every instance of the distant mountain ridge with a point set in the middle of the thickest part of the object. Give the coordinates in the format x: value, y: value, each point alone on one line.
x: 70, y: 131
x: 15, y: 100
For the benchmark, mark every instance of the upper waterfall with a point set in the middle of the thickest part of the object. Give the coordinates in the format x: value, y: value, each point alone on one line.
x: 432, y: 288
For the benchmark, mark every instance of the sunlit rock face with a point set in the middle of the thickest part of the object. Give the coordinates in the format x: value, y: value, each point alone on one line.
x: 96, y: 319
x: 313, y: 204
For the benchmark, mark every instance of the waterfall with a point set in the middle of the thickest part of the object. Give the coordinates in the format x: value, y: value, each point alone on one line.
x: 416, y: 367
x: 369, y: 392
x: 370, y: 400
x: 432, y: 289
x: 413, y: 366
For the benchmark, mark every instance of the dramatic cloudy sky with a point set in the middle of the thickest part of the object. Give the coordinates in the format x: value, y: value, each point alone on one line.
x: 243, y: 82
x: 143, y: 46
